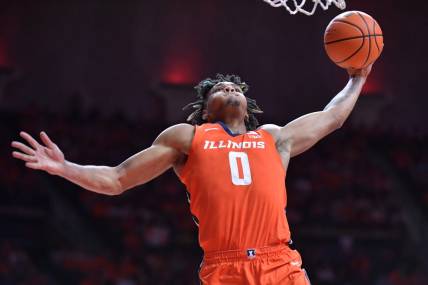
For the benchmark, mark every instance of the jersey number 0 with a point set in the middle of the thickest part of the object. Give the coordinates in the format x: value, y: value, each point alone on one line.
x: 242, y: 158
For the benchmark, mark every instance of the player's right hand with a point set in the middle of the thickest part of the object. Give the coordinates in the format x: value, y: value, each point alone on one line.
x: 362, y: 72
x: 47, y: 157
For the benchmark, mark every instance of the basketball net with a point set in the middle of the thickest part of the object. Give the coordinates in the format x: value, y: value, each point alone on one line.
x: 297, y: 7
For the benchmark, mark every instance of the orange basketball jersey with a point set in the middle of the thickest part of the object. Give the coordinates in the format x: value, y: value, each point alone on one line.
x: 236, y: 189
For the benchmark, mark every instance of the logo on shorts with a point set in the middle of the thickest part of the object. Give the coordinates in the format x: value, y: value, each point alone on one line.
x: 296, y: 263
x: 251, y: 253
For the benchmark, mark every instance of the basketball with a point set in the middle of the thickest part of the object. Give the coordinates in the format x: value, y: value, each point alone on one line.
x: 353, y: 40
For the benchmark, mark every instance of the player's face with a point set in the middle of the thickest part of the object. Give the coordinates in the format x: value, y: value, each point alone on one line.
x: 226, y: 98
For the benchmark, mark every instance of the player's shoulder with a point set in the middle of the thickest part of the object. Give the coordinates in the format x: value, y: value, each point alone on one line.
x: 179, y: 136
x: 272, y: 129
x: 180, y: 129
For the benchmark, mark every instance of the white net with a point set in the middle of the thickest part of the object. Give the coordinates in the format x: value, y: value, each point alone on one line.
x: 294, y: 7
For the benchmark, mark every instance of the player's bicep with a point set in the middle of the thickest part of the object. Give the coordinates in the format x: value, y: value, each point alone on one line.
x: 304, y: 132
x: 168, y: 147
x: 146, y: 165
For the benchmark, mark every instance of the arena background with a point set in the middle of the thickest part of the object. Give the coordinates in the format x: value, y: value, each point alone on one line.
x: 103, y: 78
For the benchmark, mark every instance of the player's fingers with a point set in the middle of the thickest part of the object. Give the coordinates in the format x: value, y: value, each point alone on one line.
x: 32, y: 165
x: 24, y: 157
x: 22, y: 147
x: 46, y: 140
x: 29, y: 139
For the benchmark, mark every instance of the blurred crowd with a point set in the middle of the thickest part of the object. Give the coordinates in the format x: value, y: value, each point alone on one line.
x: 410, y: 157
x: 345, y: 217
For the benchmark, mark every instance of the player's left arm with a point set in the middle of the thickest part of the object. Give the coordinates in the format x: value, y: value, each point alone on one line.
x: 302, y: 133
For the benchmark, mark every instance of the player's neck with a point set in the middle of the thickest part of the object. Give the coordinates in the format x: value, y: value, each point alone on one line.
x: 235, y: 126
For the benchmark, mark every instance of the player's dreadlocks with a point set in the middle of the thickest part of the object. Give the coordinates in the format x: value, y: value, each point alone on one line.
x: 203, y: 89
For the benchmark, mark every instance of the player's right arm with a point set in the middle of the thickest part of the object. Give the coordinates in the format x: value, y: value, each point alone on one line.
x: 166, y: 151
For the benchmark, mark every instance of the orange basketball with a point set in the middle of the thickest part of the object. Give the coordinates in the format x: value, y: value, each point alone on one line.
x: 353, y: 39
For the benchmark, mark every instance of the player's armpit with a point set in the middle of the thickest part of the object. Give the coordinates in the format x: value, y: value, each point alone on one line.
x: 303, y: 132
x: 168, y: 147
x: 306, y: 131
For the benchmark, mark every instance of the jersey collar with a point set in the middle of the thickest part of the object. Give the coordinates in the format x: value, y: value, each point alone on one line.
x: 226, y: 128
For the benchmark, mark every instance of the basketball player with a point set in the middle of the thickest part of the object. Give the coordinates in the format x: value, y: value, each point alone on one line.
x: 234, y: 173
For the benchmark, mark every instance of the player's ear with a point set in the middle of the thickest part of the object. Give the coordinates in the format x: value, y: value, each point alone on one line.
x: 204, y: 114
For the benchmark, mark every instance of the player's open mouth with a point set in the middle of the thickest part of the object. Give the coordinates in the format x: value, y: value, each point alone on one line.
x: 233, y: 102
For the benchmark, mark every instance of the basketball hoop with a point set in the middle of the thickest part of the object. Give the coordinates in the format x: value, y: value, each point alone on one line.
x: 297, y: 7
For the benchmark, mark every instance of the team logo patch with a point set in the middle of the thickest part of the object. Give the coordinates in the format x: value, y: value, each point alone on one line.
x: 253, y: 135
x: 251, y: 253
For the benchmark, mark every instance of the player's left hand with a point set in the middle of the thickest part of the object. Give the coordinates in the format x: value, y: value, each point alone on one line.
x: 362, y: 72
